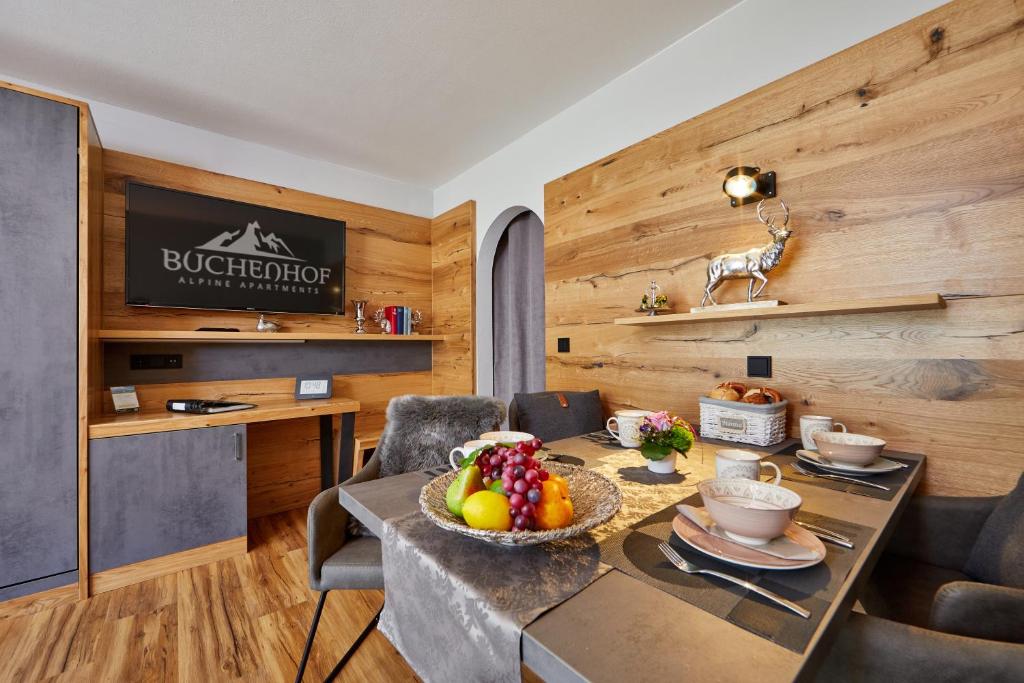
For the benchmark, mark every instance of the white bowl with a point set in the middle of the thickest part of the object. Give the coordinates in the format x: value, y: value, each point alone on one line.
x: 851, y: 449
x: 751, y: 512
x: 506, y: 437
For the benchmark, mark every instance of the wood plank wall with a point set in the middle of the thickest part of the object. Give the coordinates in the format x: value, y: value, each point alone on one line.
x: 387, y: 256
x: 388, y: 261
x: 453, y: 265
x: 903, y: 161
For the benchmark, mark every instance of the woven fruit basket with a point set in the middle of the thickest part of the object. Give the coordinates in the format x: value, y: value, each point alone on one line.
x: 595, y: 500
x: 758, y: 425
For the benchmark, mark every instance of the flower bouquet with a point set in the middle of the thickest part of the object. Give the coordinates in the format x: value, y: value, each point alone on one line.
x: 663, y: 435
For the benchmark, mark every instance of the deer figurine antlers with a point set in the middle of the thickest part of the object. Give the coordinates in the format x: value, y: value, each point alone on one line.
x: 751, y: 264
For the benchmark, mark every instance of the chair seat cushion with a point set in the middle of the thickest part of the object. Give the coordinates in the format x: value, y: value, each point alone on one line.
x: 902, y: 589
x: 544, y: 415
x: 998, y: 555
x: 356, y: 566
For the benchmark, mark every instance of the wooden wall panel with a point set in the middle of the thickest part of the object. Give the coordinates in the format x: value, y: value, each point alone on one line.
x: 453, y: 265
x: 387, y: 253
x: 903, y: 160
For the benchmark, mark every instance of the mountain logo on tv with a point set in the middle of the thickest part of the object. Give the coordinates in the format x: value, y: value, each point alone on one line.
x: 252, y: 242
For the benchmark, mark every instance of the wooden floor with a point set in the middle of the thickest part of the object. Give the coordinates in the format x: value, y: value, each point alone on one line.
x: 239, y: 619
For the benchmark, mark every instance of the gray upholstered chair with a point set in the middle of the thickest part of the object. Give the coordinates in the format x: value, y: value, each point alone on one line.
x: 946, y: 601
x: 553, y: 415
x: 420, y: 432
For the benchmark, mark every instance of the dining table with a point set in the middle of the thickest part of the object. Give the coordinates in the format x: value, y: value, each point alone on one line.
x: 637, y: 618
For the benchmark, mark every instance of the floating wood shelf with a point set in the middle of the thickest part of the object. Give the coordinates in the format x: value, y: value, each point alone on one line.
x: 916, y: 302
x: 265, y: 337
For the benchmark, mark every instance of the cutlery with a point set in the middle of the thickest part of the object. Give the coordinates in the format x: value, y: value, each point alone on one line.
x: 689, y: 568
x: 826, y: 534
x: 836, y: 477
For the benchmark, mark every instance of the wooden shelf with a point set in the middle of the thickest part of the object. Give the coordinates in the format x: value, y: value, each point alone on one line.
x: 265, y: 337
x: 916, y: 302
x: 150, y: 421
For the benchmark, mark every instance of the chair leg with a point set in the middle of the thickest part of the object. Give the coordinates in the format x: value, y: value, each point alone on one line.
x: 355, y: 646
x: 309, y: 638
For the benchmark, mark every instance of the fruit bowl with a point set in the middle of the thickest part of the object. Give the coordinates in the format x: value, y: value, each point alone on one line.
x: 595, y: 500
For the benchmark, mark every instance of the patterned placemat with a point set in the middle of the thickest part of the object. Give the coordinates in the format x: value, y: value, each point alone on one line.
x: 893, y: 480
x: 634, y: 550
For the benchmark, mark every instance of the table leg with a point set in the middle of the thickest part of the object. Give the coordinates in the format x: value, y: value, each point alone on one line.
x: 346, y: 455
x: 327, y: 452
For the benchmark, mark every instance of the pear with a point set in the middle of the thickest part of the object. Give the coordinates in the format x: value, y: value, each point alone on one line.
x: 467, y: 482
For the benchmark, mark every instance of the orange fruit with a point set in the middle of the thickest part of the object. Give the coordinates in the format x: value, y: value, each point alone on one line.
x: 487, y: 510
x: 554, y: 510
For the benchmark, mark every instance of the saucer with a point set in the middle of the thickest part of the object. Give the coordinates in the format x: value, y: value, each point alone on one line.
x: 746, y: 556
x: 879, y: 466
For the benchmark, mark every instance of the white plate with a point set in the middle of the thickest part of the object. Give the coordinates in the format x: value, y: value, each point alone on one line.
x: 743, y: 555
x: 879, y: 466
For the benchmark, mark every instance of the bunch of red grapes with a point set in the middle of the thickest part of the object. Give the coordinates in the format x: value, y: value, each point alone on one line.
x: 521, y: 475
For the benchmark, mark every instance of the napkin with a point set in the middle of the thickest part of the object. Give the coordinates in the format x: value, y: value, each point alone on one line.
x: 782, y: 547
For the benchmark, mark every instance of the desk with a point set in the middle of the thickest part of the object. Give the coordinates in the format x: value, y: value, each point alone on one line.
x: 653, y: 635
x: 153, y: 421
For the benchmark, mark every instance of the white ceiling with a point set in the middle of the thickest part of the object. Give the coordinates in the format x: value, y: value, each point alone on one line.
x: 415, y: 90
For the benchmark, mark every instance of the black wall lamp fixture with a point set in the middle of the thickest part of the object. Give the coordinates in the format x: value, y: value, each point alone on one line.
x: 746, y: 184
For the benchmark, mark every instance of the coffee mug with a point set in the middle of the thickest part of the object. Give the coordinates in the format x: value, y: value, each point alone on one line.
x: 460, y: 452
x: 809, y: 424
x: 627, y: 426
x: 735, y: 463
x: 506, y: 437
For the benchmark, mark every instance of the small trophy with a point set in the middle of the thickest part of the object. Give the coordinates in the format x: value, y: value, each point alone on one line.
x: 653, y: 301
x: 360, y: 305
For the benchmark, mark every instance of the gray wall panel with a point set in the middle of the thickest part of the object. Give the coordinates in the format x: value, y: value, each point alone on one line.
x: 38, y: 354
x: 212, y: 362
x: 155, y: 494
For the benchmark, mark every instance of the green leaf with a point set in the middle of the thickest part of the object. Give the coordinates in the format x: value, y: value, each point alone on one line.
x: 653, y: 451
x: 471, y: 458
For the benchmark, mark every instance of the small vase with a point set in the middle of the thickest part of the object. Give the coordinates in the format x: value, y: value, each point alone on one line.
x: 666, y: 465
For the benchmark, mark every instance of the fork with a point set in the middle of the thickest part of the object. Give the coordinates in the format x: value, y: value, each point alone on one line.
x: 690, y: 568
x: 836, y: 477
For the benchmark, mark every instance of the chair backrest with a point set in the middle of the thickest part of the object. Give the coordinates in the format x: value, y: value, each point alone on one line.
x: 553, y: 415
x: 998, y: 553
x: 422, y: 430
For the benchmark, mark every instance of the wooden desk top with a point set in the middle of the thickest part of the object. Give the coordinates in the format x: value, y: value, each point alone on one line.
x: 150, y: 421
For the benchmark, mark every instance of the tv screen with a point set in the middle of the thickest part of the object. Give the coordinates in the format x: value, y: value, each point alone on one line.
x: 186, y: 250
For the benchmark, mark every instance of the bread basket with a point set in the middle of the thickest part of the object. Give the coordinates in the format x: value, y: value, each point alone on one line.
x: 758, y: 425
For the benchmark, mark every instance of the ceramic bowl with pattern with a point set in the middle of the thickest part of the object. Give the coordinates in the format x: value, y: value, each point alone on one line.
x: 595, y: 500
x: 750, y: 512
x: 851, y: 449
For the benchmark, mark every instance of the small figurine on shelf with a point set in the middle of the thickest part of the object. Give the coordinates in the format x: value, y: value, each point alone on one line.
x: 653, y: 300
x: 264, y: 325
x: 416, y: 320
x: 381, y: 319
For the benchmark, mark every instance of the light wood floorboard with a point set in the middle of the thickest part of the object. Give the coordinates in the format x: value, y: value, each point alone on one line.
x: 240, y: 619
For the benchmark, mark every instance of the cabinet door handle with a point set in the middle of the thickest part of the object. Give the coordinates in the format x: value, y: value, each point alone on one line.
x: 238, y: 446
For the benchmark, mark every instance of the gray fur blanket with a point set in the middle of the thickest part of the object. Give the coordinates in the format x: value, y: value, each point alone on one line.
x: 422, y: 430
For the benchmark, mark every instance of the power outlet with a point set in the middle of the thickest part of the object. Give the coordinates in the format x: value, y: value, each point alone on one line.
x: 155, y: 361
x: 563, y: 345
x: 759, y: 366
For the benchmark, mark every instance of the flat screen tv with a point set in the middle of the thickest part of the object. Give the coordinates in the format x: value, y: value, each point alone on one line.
x: 187, y: 250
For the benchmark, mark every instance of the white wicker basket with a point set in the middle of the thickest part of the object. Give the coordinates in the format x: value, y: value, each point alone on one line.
x: 759, y: 425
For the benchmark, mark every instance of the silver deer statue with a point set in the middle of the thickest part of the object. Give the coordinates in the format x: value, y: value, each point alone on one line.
x: 751, y: 264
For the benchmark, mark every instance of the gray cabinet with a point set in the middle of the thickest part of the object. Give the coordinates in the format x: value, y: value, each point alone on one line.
x: 155, y: 494
x: 38, y: 343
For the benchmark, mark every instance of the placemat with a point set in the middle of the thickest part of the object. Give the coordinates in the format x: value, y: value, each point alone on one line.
x: 456, y: 607
x: 634, y: 550
x: 894, y: 480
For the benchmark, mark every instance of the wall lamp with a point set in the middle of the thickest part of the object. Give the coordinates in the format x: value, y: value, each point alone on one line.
x: 746, y: 184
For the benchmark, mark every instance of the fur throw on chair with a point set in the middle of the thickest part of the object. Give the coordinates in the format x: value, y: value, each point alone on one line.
x: 422, y: 430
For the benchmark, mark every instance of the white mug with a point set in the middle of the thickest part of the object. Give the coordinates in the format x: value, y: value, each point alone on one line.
x: 809, y: 424
x: 627, y: 423
x: 460, y: 452
x: 735, y: 463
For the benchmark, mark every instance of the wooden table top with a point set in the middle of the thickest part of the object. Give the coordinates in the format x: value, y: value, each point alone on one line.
x: 619, y: 628
x: 149, y: 421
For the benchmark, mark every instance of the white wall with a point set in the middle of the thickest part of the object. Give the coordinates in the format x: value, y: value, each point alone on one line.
x: 150, y: 136
x: 753, y: 44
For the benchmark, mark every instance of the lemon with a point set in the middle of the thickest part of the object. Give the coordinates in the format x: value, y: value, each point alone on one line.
x: 487, y: 510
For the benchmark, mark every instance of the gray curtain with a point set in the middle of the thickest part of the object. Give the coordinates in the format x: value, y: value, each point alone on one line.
x: 518, y: 308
